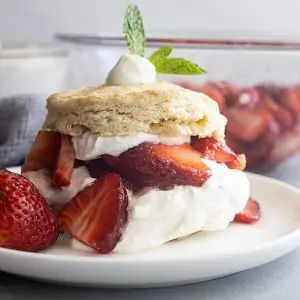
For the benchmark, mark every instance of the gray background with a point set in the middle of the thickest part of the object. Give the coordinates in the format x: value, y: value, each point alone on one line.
x: 38, y: 20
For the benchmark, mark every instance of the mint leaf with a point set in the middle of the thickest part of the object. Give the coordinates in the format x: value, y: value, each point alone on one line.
x: 161, y: 52
x: 179, y: 66
x: 134, y: 31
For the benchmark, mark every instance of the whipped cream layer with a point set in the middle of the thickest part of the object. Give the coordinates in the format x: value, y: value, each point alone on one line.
x: 43, y: 182
x: 156, y: 216
x: 89, y: 146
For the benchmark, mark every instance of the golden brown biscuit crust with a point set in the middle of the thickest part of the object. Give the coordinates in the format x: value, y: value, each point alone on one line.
x: 159, y: 108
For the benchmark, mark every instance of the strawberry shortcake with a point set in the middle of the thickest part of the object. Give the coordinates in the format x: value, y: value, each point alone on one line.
x: 136, y: 162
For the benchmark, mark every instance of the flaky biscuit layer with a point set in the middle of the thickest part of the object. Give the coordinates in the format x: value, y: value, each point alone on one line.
x: 159, y: 108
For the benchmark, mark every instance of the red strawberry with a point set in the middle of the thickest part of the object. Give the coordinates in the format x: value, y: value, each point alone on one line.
x: 162, y: 166
x: 281, y: 115
x: 246, y: 97
x: 27, y: 222
x: 212, y: 149
x: 43, y: 152
x: 250, y: 214
x: 228, y: 90
x: 290, y: 99
x: 247, y: 124
x: 96, y: 167
x: 97, y: 216
x: 261, y: 147
x: 65, y: 162
x: 213, y: 92
x: 273, y: 90
x: 233, y: 143
x: 286, y: 146
x: 239, y: 163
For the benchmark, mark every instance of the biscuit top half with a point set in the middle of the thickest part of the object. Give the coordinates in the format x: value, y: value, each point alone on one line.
x: 159, y: 108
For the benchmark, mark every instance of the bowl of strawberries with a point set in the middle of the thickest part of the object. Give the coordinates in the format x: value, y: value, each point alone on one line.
x: 257, y: 87
x: 263, y: 120
x: 255, y: 83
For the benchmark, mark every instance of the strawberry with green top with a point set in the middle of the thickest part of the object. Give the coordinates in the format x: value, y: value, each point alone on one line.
x: 27, y: 222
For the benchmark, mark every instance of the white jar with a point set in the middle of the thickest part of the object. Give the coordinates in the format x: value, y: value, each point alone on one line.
x: 32, y: 69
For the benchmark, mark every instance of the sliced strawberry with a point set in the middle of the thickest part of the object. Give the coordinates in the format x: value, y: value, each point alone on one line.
x: 262, y: 146
x: 239, y: 163
x: 273, y: 90
x: 254, y: 163
x: 65, y: 162
x: 286, y: 146
x: 162, y: 166
x: 212, y: 149
x: 247, y: 124
x: 97, y: 216
x: 290, y: 99
x: 281, y: 115
x: 43, y: 152
x: 233, y: 143
x: 96, y: 167
x: 250, y: 214
x: 258, y: 150
x: 228, y: 90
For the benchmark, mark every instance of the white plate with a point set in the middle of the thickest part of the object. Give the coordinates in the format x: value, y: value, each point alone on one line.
x: 198, y: 258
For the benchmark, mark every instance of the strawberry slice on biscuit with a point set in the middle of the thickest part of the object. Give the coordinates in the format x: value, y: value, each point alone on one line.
x: 160, y: 166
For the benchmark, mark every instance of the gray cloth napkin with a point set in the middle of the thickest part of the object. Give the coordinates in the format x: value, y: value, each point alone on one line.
x: 20, y: 119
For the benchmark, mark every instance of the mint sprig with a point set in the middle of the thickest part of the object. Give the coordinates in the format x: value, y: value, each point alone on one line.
x: 133, y: 29
x: 177, y: 66
x: 173, y: 65
x: 160, y: 53
x: 136, y: 41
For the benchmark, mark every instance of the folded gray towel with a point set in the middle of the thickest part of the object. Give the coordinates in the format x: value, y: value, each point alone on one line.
x: 20, y: 119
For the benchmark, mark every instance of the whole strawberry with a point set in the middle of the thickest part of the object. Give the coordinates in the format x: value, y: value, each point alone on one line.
x: 26, y: 220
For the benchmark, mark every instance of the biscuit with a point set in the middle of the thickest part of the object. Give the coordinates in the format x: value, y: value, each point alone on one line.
x: 159, y: 108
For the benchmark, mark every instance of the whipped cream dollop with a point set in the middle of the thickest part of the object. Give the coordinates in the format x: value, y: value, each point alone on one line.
x: 89, y: 146
x: 131, y: 69
x: 156, y: 216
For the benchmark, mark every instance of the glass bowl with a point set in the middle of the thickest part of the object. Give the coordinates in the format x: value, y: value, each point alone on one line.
x: 256, y: 84
x: 31, y: 68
